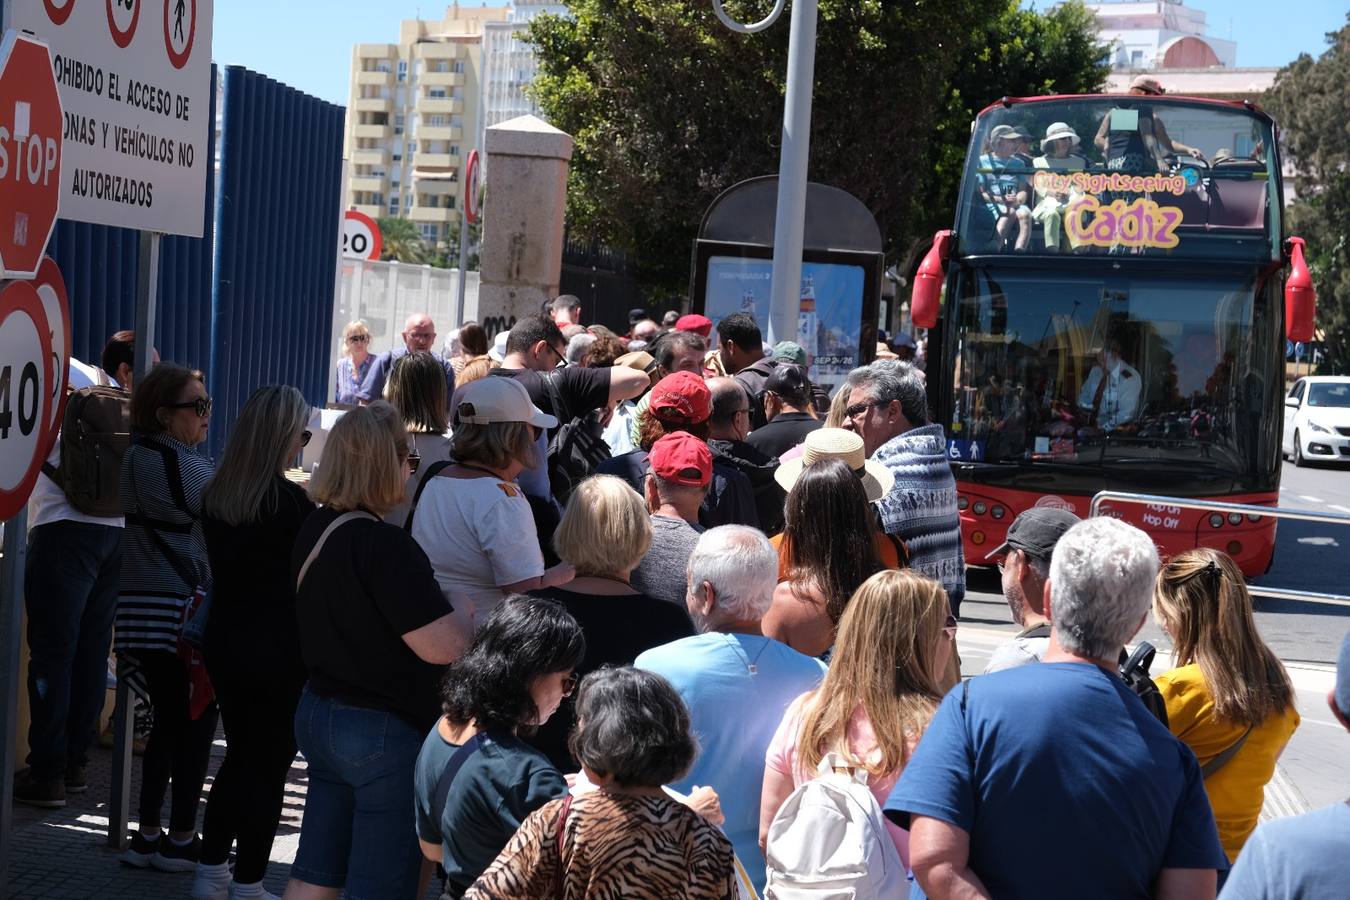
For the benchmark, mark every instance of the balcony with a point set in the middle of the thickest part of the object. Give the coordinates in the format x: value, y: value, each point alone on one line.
x: 380, y: 132
x: 438, y: 133
x: 439, y: 186
x: 373, y: 211
x: 435, y: 160
x: 376, y: 51
x: 441, y: 79
x: 372, y: 104
x: 369, y: 157
x: 436, y: 51
x: 365, y: 183
x: 432, y: 214
x: 375, y: 78
x: 444, y: 105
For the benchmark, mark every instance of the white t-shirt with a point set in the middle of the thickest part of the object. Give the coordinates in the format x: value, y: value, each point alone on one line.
x: 479, y: 534
x: 48, y: 502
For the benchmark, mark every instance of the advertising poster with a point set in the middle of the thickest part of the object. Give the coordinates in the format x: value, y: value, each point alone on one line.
x: 830, y: 316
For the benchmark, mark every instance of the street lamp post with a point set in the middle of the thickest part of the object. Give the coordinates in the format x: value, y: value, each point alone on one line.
x: 790, y: 219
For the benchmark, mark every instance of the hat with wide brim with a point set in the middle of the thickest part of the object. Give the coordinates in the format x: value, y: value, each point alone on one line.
x: 837, y: 443
x: 1058, y: 130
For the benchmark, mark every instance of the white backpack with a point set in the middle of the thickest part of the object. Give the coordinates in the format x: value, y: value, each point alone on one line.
x: 829, y: 840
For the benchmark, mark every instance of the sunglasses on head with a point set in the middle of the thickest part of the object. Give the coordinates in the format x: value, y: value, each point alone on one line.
x: 201, y: 406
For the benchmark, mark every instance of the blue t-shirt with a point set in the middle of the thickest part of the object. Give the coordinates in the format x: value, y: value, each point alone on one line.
x: 1300, y: 858
x: 373, y: 387
x: 1060, y: 758
x: 734, y: 714
x: 491, y: 794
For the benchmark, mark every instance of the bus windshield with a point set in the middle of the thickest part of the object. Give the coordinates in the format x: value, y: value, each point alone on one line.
x: 1112, y: 370
x: 1125, y: 174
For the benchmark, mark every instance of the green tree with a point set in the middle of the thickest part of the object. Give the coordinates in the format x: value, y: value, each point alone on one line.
x: 669, y: 108
x: 402, y: 240
x: 1309, y: 100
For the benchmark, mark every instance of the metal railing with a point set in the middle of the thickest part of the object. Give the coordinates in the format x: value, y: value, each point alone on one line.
x: 1246, y: 509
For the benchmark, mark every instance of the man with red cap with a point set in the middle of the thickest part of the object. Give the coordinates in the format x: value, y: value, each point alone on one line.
x: 681, y: 472
x: 699, y: 325
x: 681, y: 402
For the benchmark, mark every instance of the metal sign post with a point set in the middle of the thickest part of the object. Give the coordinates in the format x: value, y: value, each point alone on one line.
x: 11, y: 614
x: 789, y: 225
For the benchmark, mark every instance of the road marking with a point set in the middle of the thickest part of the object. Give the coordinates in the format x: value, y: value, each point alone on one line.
x: 1336, y: 725
x: 1310, y: 499
x: 1338, y: 507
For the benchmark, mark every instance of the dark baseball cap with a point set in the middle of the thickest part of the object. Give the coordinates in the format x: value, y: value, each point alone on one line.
x: 636, y: 315
x: 1036, y: 531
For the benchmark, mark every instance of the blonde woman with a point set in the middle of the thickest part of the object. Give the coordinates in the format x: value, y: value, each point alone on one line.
x: 375, y: 634
x: 1230, y: 699
x: 355, y: 362
x: 604, y: 533
x: 250, y: 517
x: 880, y: 693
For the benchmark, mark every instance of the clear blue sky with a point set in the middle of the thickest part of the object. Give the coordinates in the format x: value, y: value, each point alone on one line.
x: 308, y: 43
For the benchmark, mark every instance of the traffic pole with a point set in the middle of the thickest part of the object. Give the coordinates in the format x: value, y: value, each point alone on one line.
x: 11, y: 615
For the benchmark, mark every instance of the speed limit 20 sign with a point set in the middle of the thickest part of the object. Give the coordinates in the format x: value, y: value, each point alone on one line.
x: 361, y: 236
x: 25, y: 393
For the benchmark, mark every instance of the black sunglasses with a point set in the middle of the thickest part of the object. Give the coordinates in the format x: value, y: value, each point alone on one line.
x: 858, y: 409
x: 414, y: 462
x: 201, y: 406
x: 304, y: 438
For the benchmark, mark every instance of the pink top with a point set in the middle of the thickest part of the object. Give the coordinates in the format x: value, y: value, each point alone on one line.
x: 862, y: 743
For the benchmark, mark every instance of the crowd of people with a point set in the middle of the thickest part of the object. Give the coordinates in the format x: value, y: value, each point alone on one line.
x: 635, y: 616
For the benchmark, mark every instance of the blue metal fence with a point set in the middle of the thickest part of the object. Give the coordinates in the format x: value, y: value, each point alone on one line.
x: 277, y: 220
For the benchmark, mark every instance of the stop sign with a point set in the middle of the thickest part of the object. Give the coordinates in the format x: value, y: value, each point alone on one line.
x: 30, y: 153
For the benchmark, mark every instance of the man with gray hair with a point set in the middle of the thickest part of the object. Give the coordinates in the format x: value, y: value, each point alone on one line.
x: 888, y: 407
x: 1024, y: 567
x: 736, y: 682
x: 1063, y: 755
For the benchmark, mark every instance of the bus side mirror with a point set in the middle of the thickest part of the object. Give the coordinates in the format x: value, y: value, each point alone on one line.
x: 1300, y: 300
x: 926, y: 299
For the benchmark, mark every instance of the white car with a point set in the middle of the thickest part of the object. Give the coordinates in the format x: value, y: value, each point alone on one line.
x: 1317, y: 420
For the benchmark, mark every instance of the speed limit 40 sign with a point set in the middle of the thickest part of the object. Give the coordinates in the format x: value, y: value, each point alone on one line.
x: 25, y: 393
x: 361, y: 237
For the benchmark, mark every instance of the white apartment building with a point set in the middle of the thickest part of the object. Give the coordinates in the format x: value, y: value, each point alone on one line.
x: 509, y: 65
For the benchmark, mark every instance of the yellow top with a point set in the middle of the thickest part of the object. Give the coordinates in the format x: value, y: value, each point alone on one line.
x: 1237, y: 791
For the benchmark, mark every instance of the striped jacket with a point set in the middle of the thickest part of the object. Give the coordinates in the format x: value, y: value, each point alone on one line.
x: 920, y: 507
x: 162, y: 483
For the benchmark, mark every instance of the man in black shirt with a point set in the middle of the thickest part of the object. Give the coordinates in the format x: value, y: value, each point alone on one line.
x: 743, y: 357
x: 727, y: 429
x: 787, y: 405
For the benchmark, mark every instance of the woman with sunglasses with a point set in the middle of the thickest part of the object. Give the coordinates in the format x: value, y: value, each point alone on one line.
x: 165, y: 566
x: 477, y: 780
x: 880, y: 693
x: 416, y: 388
x: 1230, y: 699
x: 472, y: 518
x: 251, y: 516
x: 354, y: 364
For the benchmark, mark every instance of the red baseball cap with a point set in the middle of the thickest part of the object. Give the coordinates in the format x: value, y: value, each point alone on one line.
x: 682, y: 458
x: 681, y: 398
x: 700, y: 325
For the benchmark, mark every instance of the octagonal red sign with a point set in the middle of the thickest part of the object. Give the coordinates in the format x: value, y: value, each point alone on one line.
x: 30, y: 153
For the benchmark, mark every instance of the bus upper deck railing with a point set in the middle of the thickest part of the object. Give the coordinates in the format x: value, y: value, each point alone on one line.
x: 1273, y: 512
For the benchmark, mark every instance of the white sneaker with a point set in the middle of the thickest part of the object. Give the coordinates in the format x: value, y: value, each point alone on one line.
x: 211, y: 882
x: 253, y: 891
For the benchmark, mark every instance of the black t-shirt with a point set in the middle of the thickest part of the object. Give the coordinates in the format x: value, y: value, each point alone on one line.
x: 581, y: 390
x: 786, y: 431
x: 617, y: 629
x: 370, y: 585
x: 252, y: 620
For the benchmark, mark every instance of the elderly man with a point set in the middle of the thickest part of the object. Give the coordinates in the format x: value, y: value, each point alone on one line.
x: 888, y: 407
x: 1025, y: 567
x: 1062, y: 755
x: 419, y: 335
x: 736, y: 682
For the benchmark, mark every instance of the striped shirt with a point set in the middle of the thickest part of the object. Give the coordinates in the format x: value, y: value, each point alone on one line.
x: 162, y: 483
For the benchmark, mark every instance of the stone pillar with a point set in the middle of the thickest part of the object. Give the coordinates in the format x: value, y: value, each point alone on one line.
x: 521, y: 257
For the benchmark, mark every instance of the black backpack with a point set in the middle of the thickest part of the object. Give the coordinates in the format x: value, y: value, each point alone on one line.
x: 575, y: 449
x: 95, y: 434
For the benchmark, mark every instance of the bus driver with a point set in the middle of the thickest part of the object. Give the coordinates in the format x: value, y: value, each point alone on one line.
x: 1110, y: 396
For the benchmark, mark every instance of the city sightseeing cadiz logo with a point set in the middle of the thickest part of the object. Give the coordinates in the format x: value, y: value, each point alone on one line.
x: 1121, y: 223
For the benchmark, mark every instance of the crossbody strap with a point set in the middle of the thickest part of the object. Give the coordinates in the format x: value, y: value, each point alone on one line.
x: 452, y: 767
x: 1223, y: 758
x: 174, y: 476
x: 323, y: 539
x: 432, y: 471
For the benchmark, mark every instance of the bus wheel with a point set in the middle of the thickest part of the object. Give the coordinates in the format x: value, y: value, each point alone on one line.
x: 1299, y: 458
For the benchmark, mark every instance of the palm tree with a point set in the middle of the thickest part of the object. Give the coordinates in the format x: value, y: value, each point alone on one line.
x: 402, y: 240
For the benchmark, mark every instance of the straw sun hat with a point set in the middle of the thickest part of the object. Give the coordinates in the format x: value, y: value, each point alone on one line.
x: 838, y: 443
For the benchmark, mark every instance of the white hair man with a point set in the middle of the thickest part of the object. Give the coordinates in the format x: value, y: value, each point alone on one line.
x: 419, y: 336
x: 736, y: 682
x: 1063, y: 755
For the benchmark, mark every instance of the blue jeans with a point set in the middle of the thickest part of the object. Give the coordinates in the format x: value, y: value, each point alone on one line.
x: 358, y: 830
x: 70, y: 593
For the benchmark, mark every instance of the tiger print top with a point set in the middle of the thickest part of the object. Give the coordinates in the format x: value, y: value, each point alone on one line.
x: 614, y: 847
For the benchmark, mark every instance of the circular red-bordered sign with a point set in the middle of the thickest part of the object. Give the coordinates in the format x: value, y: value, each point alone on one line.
x: 122, y: 38
x: 25, y: 376
x: 471, y: 188
x: 361, y: 238
x: 58, y: 14
x: 51, y: 289
x: 178, y: 60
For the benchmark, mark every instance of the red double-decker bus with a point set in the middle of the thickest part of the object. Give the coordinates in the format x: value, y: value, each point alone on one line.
x: 1111, y: 318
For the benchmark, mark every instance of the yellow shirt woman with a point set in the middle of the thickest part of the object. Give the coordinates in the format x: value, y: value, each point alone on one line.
x: 1236, y: 791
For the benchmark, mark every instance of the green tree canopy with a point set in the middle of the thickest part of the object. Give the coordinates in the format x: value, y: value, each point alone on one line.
x: 669, y: 108
x: 402, y: 240
x: 1310, y: 100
